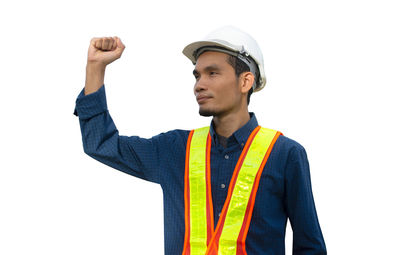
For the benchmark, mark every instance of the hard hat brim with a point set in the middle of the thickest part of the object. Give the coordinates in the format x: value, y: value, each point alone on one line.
x: 190, y: 50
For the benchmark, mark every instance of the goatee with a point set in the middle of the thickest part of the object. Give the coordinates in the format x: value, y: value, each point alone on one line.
x: 206, y: 113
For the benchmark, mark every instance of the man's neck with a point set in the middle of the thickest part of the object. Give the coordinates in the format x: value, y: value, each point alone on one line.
x: 228, y: 124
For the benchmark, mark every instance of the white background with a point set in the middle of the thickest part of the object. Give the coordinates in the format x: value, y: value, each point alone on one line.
x: 333, y: 76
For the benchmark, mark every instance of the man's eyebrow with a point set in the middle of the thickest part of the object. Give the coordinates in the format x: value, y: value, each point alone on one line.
x: 212, y: 67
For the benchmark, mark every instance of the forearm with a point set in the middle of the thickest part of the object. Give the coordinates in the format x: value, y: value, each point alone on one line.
x: 94, y: 77
x: 101, y: 140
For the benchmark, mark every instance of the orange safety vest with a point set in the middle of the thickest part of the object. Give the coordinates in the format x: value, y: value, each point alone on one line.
x: 228, y: 238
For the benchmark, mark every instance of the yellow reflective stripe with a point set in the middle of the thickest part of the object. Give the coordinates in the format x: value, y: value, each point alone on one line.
x: 242, y: 190
x: 197, y: 190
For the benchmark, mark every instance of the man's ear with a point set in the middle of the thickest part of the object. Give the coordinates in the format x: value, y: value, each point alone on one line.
x: 246, y: 81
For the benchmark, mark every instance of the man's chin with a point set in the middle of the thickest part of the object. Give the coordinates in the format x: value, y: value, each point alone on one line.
x: 206, y: 112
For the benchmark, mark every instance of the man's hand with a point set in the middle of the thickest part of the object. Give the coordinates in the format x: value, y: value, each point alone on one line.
x: 105, y: 50
x: 102, y: 51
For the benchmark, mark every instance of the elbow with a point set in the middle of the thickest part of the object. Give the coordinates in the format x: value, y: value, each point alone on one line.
x: 98, y: 146
x: 91, y: 149
x: 88, y: 151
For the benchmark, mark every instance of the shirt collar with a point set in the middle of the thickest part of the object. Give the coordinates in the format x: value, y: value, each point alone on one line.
x: 239, y: 136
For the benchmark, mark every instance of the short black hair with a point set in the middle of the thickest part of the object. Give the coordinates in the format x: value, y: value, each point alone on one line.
x: 240, y: 67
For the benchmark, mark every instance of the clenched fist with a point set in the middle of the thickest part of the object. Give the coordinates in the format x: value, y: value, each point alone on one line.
x: 105, y: 50
x: 102, y: 51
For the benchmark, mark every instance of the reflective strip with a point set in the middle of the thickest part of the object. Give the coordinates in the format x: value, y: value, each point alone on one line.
x: 186, y: 245
x: 241, y: 245
x: 210, y: 209
x: 242, y: 190
x: 197, y: 190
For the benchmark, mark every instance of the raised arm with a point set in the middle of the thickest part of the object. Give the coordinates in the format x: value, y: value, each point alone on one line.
x: 101, y: 140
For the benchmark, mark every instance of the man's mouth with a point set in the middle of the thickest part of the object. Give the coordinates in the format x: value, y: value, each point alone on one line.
x: 202, y: 98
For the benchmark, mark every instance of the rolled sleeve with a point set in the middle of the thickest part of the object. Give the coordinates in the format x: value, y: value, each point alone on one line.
x: 87, y: 106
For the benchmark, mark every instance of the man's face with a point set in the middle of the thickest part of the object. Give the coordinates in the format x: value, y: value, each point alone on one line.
x: 216, y: 89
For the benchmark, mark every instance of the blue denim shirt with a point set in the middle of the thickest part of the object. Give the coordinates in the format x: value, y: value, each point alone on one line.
x: 284, y: 190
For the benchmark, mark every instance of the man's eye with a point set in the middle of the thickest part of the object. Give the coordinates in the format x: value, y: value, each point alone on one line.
x: 213, y: 73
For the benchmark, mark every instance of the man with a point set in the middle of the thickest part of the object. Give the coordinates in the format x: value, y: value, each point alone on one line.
x: 246, y: 179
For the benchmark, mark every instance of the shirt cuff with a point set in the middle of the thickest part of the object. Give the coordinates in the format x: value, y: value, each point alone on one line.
x: 87, y: 106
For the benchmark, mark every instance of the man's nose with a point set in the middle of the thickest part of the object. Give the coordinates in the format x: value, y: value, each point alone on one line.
x: 200, y: 85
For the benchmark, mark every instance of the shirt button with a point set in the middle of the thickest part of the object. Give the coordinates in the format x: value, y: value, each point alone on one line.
x: 219, y: 214
x: 242, y: 144
x: 227, y: 156
x: 222, y: 186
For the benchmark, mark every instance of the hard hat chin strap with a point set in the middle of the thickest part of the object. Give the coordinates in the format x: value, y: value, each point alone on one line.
x: 242, y: 55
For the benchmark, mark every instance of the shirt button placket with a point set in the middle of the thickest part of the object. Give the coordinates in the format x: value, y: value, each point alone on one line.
x: 223, y: 186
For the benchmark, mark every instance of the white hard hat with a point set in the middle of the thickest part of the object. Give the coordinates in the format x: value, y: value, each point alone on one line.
x: 235, y: 42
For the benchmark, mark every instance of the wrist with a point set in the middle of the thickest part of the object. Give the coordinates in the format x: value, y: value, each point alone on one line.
x: 94, y: 77
x: 95, y: 67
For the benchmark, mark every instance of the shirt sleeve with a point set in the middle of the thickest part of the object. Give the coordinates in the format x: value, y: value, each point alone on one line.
x: 101, y: 140
x: 299, y: 202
